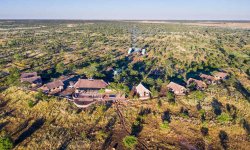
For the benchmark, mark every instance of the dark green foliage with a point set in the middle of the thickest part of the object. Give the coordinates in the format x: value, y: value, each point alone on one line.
x: 41, y: 96
x: 198, y: 95
x: 170, y: 97
x: 6, y: 143
x: 31, y: 103
x: 13, y: 78
x: 60, y: 68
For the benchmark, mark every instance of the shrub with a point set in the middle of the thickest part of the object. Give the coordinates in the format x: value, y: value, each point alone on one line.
x: 202, y: 113
x: 171, y: 97
x: 6, y: 143
x: 159, y: 103
x: 184, y: 112
x: 164, y: 125
x: 13, y: 78
x: 130, y: 141
x: 198, y: 95
x: 224, y: 117
x: 31, y: 103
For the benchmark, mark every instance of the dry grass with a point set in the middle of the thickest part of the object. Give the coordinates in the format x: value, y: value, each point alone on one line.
x: 87, y: 129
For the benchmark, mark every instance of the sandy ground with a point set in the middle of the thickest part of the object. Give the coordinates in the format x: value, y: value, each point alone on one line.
x: 243, y: 25
x: 240, y: 25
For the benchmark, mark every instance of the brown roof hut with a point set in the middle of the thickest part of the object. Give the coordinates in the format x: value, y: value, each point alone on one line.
x: 220, y: 75
x: 28, y: 74
x: 207, y: 78
x: 53, y: 87
x: 176, y: 88
x: 199, y: 85
x: 31, y: 78
x: 90, y: 85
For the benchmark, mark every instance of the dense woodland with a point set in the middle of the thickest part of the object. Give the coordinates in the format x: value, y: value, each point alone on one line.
x: 217, y: 118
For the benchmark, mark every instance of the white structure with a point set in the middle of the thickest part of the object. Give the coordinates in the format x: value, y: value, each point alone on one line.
x: 143, y: 92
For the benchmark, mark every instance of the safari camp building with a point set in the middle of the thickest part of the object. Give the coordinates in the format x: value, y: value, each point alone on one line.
x: 177, y: 89
x: 89, y: 85
x: 31, y: 78
x: 199, y: 85
x: 142, y: 91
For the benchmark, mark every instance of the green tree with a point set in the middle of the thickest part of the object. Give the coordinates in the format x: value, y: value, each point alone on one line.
x: 14, y: 76
x: 130, y: 142
x: 170, y: 96
x: 31, y: 103
x: 6, y: 143
x: 90, y: 71
x: 119, y: 88
x: 60, y: 68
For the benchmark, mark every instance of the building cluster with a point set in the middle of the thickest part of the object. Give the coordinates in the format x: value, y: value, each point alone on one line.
x: 197, y: 84
x: 82, y: 92
x: 178, y: 89
x: 86, y: 92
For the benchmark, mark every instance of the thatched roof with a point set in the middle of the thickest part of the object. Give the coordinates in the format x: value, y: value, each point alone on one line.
x: 199, y: 83
x: 176, y: 87
x: 208, y: 77
x: 54, y: 84
x: 92, y: 84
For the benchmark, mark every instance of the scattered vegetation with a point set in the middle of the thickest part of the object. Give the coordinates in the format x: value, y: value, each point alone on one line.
x: 215, y: 118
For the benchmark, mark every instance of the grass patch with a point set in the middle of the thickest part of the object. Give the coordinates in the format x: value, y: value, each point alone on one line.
x: 224, y: 118
x: 130, y: 142
x: 164, y: 125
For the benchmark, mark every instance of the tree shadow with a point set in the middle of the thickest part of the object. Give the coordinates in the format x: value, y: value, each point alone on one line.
x: 243, y: 90
x: 232, y: 110
x: 184, y: 111
x: 65, y: 144
x: 107, y: 106
x: 107, y: 141
x: 2, y: 125
x: 4, y: 103
x: 177, y: 80
x: 198, y: 106
x: 8, y: 113
x: 88, y: 134
x: 144, y: 111
x: 110, y: 124
x: 216, y: 107
x: 22, y: 126
x: 166, y: 116
x: 140, y: 66
x: 137, y: 126
x: 223, y: 139
x: 246, y: 126
x: 109, y: 127
x: 196, y: 74
x: 92, y: 109
x: 33, y: 128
